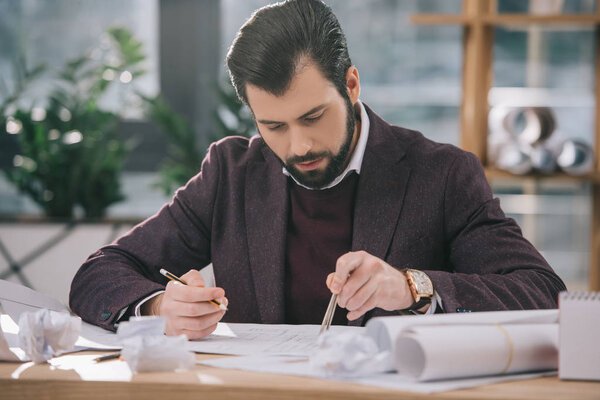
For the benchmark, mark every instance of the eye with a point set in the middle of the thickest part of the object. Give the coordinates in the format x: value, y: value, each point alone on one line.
x: 313, y: 118
x: 275, y: 127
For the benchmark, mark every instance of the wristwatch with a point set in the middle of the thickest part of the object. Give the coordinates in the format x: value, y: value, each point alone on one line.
x: 420, y: 286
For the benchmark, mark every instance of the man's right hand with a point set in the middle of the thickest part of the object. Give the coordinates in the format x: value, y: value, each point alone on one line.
x: 186, y: 308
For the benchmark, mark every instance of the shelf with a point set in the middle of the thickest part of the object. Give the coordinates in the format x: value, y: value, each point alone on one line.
x: 506, y: 19
x: 481, y: 16
x: 560, y: 19
x: 494, y: 173
x: 441, y: 19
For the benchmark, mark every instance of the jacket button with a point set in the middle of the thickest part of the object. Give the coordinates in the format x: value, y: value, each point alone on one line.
x: 105, y: 315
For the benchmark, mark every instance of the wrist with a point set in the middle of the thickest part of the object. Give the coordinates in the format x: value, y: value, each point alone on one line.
x: 152, y: 306
x: 420, y: 288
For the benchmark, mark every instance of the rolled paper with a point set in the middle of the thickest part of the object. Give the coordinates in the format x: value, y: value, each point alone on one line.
x: 445, y: 352
x: 539, y: 124
x: 516, y: 137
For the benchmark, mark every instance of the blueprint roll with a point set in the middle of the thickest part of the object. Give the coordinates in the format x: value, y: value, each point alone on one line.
x: 389, y: 332
x: 575, y: 157
x: 427, y: 353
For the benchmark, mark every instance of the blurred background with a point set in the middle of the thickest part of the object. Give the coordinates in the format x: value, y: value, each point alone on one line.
x: 108, y: 107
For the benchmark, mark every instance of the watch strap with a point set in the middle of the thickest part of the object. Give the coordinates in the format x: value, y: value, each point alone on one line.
x: 423, y: 301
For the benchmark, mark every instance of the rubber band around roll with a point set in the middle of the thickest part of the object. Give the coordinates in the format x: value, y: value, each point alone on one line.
x: 511, y: 347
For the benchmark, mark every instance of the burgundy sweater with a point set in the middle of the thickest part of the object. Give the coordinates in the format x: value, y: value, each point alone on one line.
x: 319, y: 231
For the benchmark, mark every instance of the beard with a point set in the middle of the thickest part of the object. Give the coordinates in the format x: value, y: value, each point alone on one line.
x: 316, y: 179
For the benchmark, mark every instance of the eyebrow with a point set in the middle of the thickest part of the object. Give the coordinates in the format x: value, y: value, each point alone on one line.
x: 306, y: 114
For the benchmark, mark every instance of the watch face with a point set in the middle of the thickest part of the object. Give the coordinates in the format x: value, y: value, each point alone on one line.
x: 422, y: 283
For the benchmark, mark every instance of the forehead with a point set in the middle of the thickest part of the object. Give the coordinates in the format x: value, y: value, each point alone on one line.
x: 308, y: 89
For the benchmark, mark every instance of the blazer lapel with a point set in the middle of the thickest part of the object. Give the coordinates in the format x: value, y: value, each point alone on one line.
x: 266, y: 220
x: 380, y: 195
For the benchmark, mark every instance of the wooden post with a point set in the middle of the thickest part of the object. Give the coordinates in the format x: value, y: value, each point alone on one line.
x: 478, y: 41
x: 594, y: 273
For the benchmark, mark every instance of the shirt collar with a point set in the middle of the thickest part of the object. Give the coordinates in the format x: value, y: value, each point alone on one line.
x: 357, y: 157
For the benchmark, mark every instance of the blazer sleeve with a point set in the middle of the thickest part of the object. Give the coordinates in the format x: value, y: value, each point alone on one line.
x: 176, y: 238
x: 492, y: 266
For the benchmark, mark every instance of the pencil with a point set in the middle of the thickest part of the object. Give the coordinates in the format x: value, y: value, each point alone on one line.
x: 177, y: 279
x: 106, y: 357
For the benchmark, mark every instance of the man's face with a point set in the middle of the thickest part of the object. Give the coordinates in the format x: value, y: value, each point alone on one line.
x: 310, y: 128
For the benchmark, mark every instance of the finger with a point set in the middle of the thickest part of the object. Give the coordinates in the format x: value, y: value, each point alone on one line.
x: 344, y: 267
x: 357, y: 280
x: 192, y: 334
x: 329, y: 280
x: 368, y: 305
x: 193, y: 278
x: 190, y: 294
x: 199, y: 334
x: 175, y: 308
x: 223, y: 300
x: 196, y: 323
x: 360, y: 297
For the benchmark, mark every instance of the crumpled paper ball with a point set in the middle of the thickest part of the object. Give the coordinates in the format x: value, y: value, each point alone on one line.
x: 157, y: 353
x: 45, y: 333
x: 348, y: 354
x: 147, y: 349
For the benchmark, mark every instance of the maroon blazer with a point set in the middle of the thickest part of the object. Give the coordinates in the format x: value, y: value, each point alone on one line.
x: 419, y: 204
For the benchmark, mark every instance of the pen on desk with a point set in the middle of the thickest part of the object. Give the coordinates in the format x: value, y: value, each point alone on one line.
x: 177, y: 279
x: 107, y: 357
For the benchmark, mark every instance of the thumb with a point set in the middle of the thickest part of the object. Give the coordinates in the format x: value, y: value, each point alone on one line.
x: 330, y: 280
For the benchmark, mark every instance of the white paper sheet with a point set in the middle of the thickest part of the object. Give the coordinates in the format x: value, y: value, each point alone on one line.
x: 16, y: 299
x: 246, y: 339
x: 7, y: 329
x: 290, y: 365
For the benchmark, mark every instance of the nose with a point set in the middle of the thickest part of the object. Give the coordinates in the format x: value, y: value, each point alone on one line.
x: 300, y: 143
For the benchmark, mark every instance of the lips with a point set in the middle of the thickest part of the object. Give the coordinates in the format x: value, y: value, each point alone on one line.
x: 309, y: 165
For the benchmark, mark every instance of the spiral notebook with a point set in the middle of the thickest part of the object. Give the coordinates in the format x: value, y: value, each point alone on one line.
x: 579, y: 335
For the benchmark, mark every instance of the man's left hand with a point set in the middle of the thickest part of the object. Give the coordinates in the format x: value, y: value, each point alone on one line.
x: 363, y: 282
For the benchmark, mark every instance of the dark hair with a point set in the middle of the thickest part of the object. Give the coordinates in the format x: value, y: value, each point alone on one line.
x: 269, y: 46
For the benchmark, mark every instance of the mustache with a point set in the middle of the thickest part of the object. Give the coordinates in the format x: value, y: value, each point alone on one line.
x: 310, y: 156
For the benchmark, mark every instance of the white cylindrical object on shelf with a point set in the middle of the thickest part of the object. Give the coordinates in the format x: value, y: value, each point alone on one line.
x: 542, y: 160
x: 511, y: 158
x: 575, y: 157
x: 539, y: 125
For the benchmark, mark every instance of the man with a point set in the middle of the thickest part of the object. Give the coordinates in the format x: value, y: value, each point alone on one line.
x: 391, y: 221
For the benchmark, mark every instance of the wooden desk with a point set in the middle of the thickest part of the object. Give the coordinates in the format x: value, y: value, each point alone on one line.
x: 18, y: 381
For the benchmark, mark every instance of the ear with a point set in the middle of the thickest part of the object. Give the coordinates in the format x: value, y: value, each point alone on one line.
x: 353, y: 84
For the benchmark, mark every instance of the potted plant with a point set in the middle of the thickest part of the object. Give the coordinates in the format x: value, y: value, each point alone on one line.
x: 70, y: 153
